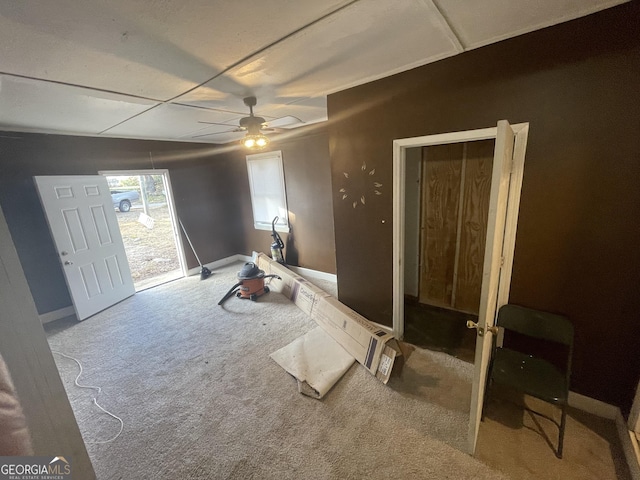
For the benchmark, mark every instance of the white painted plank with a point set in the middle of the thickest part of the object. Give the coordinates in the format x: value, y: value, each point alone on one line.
x: 23, y: 344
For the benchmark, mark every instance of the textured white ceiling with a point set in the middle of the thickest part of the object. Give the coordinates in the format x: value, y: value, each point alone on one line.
x: 161, y: 68
x: 43, y: 106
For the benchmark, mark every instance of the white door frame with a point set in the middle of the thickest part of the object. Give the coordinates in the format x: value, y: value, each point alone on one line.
x: 170, y: 203
x: 399, y: 164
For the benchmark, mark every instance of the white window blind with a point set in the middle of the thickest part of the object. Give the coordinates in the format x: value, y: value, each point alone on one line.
x: 268, y: 195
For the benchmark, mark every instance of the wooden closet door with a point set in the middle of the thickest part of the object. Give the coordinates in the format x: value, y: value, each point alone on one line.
x: 441, y: 174
x: 473, y: 225
x: 455, y: 187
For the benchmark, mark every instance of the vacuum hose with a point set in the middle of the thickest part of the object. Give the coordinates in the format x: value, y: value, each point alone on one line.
x: 230, y: 293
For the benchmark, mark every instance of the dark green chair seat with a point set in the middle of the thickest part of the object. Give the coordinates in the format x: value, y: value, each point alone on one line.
x: 529, y: 374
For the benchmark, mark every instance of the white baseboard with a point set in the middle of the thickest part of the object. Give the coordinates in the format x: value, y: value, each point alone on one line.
x: 634, y: 467
x: 67, y: 311
x: 593, y: 406
x: 611, y: 412
x: 304, y: 272
x: 311, y: 274
x: 383, y: 327
x: 57, y: 314
x: 220, y: 263
x: 629, y: 445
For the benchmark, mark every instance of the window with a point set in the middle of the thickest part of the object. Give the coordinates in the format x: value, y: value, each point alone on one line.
x: 268, y: 196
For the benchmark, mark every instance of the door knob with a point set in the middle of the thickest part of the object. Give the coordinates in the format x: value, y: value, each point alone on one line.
x: 67, y: 262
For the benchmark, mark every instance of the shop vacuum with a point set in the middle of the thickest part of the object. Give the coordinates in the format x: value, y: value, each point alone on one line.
x: 250, y: 285
x: 251, y: 279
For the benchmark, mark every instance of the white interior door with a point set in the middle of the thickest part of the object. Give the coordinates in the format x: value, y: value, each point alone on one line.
x: 491, y: 298
x: 504, y: 203
x: 85, y: 231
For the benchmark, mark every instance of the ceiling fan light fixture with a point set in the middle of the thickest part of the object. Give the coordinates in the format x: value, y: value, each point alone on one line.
x: 255, y: 141
x: 262, y: 141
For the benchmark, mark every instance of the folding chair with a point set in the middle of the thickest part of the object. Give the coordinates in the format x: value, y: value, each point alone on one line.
x: 530, y: 374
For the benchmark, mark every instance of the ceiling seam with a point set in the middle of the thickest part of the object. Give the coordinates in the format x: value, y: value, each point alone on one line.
x: 130, y: 118
x: 121, y: 94
x: 204, y: 107
x: 235, y: 64
x: 446, y: 22
x: 95, y: 89
x: 265, y: 48
x: 167, y: 102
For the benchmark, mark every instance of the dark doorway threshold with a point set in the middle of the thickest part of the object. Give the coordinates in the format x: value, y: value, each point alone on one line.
x: 439, y: 329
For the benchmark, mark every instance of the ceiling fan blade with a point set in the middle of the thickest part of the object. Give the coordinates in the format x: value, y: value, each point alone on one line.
x: 213, y: 123
x: 217, y: 133
x: 288, y: 121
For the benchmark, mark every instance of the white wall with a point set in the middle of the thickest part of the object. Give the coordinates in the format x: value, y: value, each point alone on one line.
x: 412, y: 221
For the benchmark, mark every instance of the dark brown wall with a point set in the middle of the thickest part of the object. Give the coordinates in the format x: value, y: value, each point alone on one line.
x: 210, y: 187
x: 205, y: 188
x: 305, y: 155
x: 578, y: 235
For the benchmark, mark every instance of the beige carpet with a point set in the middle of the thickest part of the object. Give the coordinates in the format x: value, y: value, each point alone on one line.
x: 522, y: 444
x: 201, y: 399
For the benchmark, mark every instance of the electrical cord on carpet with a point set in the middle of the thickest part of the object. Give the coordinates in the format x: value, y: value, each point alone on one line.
x: 95, y: 398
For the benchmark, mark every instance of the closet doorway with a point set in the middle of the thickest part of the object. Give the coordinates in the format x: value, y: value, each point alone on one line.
x: 446, y: 202
x: 502, y: 219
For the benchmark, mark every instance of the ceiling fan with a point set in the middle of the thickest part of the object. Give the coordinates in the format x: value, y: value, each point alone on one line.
x: 254, y: 126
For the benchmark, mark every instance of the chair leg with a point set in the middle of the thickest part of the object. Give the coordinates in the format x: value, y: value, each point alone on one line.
x: 485, y: 397
x: 563, y: 423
